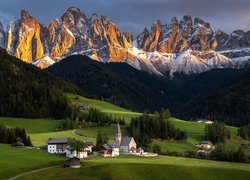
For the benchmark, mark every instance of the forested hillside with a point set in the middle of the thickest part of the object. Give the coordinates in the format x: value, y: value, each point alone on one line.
x: 137, y: 90
x: 26, y: 91
x: 230, y: 103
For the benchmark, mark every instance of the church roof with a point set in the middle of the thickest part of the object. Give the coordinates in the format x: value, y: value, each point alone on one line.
x: 118, y: 129
x: 126, y: 141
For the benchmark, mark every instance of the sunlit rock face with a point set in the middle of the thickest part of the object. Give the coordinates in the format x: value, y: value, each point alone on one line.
x: 180, y: 46
x: 32, y: 40
x: 2, y: 36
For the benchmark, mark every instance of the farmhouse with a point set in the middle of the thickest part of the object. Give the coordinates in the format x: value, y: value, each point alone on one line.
x: 71, y: 152
x: 205, y: 144
x: 72, y: 163
x: 88, y: 146
x: 57, y: 145
x: 109, y: 150
x: 204, y: 121
x: 126, y: 144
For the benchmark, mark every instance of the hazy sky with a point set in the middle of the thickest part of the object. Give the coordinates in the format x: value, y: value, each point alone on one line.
x: 135, y: 15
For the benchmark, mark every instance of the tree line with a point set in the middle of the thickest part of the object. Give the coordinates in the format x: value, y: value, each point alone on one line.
x: 217, y: 132
x: 74, y: 118
x: 26, y: 91
x: 244, y: 132
x: 156, y: 125
x: 14, y: 135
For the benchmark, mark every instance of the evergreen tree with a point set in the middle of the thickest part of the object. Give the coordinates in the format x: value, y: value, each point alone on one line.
x: 99, y: 141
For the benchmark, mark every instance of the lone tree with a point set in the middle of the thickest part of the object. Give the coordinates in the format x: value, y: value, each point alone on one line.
x: 99, y: 141
x: 77, y: 145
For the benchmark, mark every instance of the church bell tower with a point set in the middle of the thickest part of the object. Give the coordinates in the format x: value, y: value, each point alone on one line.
x: 118, y: 137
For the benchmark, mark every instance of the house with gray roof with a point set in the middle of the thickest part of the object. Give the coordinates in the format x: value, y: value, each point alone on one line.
x: 57, y: 145
x: 109, y: 150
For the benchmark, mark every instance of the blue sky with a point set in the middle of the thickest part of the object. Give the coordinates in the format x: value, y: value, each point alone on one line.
x: 134, y: 15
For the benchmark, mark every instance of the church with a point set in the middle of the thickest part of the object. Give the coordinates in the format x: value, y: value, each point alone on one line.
x: 126, y: 144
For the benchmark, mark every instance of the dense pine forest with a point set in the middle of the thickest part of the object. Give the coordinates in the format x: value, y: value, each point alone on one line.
x: 230, y: 104
x: 26, y: 91
x: 14, y: 136
x: 156, y: 125
x: 121, y: 84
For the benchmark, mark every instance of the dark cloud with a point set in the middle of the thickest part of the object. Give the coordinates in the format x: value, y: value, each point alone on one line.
x: 134, y: 15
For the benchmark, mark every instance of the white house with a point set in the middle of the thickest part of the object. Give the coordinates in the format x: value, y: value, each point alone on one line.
x: 88, y: 146
x: 205, y: 144
x: 70, y: 153
x: 205, y: 121
x: 108, y: 150
x: 57, y: 145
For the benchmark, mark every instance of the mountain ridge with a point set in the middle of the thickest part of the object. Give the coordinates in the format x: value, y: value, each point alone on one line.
x: 186, y: 45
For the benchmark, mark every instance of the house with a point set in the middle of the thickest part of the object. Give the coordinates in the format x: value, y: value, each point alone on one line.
x: 70, y: 153
x: 205, y: 121
x: 88, y: 146
x: 109, y: 150
x: 126, y: 144
x: 57, y: 145
x: 72, y: 163
x: 205, y: 144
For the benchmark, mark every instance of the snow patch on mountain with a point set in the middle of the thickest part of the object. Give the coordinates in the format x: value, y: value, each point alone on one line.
x: 44, y: 62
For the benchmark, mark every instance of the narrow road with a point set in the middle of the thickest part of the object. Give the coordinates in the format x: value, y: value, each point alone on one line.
x: 34, y: 171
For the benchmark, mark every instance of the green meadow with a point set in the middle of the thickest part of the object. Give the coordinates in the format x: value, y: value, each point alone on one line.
x: 14, y: 161
x: 161, y: 167
x: 18, y: 160
x: 31, y: 125
x: 104, y: 107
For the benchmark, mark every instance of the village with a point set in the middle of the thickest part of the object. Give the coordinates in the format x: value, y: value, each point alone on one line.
x: 123, y: 145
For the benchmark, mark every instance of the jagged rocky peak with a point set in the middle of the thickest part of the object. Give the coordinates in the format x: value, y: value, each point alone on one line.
x: 186, y: 25
x: 199, y: 21
x: 185, y: 42
x: 219, y: 40
x: 129, y: 37
x: 12, y: 36
x: 54, y: 28
x: 2, y: 36
x: 141, y: 38
x: 73, y: 18
x: 25, y: 14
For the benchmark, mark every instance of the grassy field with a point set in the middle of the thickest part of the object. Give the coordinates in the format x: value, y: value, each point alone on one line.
x: 14, y: 161
x: 31, y: 125
x: 109, y: 130
x: 161, y: 167
x: 104, y: 107
x: 85, y: 134
x: 195, y: 133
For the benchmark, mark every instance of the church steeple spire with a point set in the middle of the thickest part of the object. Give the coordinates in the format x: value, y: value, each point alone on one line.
x: 118, y: 136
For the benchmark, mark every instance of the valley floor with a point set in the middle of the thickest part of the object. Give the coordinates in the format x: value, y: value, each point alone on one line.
x: 161, y: 167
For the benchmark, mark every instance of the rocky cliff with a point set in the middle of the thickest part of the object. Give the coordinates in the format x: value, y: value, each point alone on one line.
x: 186, y: 45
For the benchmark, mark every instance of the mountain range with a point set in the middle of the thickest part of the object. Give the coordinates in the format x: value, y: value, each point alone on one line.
x: 182, y: 46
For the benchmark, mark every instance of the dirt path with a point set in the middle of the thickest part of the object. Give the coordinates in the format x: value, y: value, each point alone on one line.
x: 34, y: 171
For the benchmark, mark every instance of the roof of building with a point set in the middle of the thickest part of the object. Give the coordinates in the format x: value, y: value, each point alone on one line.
x: 118, y: 129
x: 72, y: 161
x: 88, y: 143
x: 205, y: 142
x: 106, y: 146
x: 126, y: 141
x: 58, y: 140
x: 114, y: 145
